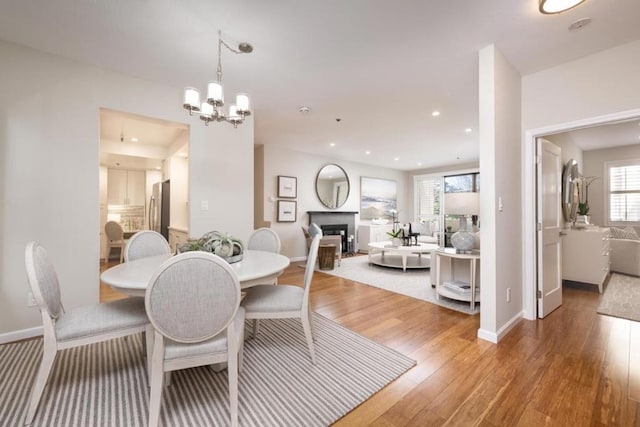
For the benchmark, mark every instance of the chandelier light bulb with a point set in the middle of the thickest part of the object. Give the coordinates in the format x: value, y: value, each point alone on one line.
x: 242, y: 104
x: 549, y: 7
x: 191, y: 99
x: 215, y: 94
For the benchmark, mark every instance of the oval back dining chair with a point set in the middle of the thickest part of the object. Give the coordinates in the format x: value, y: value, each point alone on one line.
x: 145, y: 244
x: 74, y: 328
x: 193, y: 304
x: 264, y: 239
x: 115, y: 238
x: 285, y: 301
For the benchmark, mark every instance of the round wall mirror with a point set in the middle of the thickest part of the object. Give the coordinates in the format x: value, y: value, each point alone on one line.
x: 332, y: 186
x: 570, y: 176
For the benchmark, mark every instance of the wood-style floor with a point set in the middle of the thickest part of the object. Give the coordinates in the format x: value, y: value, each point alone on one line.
x: 571, y: 369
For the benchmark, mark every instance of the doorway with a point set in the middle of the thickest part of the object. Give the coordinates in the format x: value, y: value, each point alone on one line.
x: 531, y: 271
x: 137, y: 152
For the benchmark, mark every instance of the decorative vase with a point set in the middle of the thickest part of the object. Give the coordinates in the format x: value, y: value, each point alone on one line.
x: 463, y: 241
x: 581, y: 221
x: 396, y: 242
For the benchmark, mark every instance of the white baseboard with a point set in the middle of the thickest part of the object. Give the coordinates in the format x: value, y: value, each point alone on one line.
x: 300, y: 258
x: 494, y: 337
x: 21, y: 334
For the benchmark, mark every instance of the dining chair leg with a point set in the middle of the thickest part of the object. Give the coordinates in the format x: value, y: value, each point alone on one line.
x: 256, y: 327
x: 241, y: 352
x: 48, y: 357
x: 306, y: 325
x: 121, y: 253
x: 148, y: 339
x: 157, y: 375
x: 233, y: 385
x: 313, y: 325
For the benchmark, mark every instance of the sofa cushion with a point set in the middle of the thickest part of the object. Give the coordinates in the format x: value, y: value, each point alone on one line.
x: 626, y: 233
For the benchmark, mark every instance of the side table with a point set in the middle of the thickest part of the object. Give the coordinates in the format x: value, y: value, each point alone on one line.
x: 474, y: 260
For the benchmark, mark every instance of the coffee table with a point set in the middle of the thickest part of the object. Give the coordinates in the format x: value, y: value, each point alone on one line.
x: 387, y: 255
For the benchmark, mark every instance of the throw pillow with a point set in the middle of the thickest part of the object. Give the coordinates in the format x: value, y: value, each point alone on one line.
x: 632, y: 233
x: 314, y: 230
x: 619, y: 233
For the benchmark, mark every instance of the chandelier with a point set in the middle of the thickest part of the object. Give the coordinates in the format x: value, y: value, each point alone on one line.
x: 211, y: 109
x: 549, y: 7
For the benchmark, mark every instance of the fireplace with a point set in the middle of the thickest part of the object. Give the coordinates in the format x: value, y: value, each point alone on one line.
x: 337, y: 230
x: 341, y: 223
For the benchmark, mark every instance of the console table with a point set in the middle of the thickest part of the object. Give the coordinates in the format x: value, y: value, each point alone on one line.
x: 474, y: 260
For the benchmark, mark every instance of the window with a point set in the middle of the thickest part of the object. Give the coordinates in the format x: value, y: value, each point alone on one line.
x: 428, y: 195
x: 469, y: 182
x: 623, y: 192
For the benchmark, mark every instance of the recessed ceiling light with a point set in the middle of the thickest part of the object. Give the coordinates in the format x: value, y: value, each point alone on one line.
x: 419, y: 163
x: 134, y: 139
x: 549, y: 7
x: 435, y: 113
x: 304, y: 110
x: 468, y: 130
x: 158, y: 168
x: 396, y: 158
x: 367, y: 152
x: 333, y: 144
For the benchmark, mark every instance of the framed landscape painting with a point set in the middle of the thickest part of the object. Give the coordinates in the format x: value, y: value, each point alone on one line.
x: 378, y: 197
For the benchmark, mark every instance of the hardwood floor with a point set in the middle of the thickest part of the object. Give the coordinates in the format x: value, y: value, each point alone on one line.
x: 574, y: 368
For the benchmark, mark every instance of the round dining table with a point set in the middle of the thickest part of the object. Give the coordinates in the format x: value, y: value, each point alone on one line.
x: 256, y: 267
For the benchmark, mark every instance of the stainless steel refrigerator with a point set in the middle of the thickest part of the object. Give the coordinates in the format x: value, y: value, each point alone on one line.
x: 159, y: 208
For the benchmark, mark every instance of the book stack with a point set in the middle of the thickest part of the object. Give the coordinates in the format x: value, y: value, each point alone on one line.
x: 460, y: 288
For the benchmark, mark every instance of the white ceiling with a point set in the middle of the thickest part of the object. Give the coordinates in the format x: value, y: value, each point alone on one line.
x: 610, y: 135
x: 380, y: 66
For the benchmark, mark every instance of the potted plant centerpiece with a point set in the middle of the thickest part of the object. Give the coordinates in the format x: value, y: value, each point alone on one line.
x: 396, y: 237
x: 222, y: 244
x: 582, y: 219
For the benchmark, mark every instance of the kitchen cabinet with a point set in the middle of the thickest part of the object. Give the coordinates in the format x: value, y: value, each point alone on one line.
x: 585, y: 255
x: 372, y: 233
x: 125, y: 187
x: 177, y: 238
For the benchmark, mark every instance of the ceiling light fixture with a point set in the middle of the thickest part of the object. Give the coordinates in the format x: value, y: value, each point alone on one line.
x: 333, y: 144
x: 134, y: 139
x: 468, y: 130
x: 435, y: 113
x: 211, y: 109
x: 549, y: 7
x: 367, y: 152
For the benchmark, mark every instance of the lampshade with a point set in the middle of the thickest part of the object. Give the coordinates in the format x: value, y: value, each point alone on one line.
x: 462, y: 203
x: 242, y: 103
x: 557, y: 6
x: 206, y: 109
x: 214, y: 94
x: 191, y: 99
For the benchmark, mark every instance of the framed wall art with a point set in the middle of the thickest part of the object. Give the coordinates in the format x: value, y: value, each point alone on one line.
x: 287, y: 187
x: 287, y: 211
x: 378, y: 198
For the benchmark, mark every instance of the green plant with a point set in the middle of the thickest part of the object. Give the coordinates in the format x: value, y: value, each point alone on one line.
x: 395, y: 233
x: 583, y: 208
x: 221, y: 244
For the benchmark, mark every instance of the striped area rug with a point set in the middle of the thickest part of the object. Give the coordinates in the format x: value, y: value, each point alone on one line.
x: 105, y: 384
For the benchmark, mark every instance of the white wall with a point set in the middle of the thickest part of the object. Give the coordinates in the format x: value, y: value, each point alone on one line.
x: 49, y: 155
x: 305, y: 167
x: 590, y: 90
x: 501, y: 260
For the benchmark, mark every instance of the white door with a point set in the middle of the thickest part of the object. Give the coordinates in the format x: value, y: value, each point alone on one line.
x: 549, y: 181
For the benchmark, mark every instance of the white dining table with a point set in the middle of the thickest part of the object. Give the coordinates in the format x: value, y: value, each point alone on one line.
x: 256, y: 267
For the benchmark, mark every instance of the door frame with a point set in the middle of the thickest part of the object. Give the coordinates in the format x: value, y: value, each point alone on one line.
x: 529, y: 191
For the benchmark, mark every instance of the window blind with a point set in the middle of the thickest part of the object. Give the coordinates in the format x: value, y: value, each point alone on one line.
x: 624, y: 192
x: 429, y: 198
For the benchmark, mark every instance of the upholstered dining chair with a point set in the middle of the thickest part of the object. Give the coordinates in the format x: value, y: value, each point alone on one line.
x: 145, y: 244
x: 193, y: 304
x: 264, y: 239
x: 76, y: 327
x: 115, y: 238
x: 285, y: 301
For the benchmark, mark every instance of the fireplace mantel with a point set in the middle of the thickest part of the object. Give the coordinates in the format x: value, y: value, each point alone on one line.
x: 331, y: 212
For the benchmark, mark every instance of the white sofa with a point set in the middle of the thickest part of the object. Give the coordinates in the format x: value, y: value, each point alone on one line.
x: 625, y: 256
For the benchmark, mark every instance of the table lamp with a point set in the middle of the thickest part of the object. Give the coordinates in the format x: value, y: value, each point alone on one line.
x: 463, y: 204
